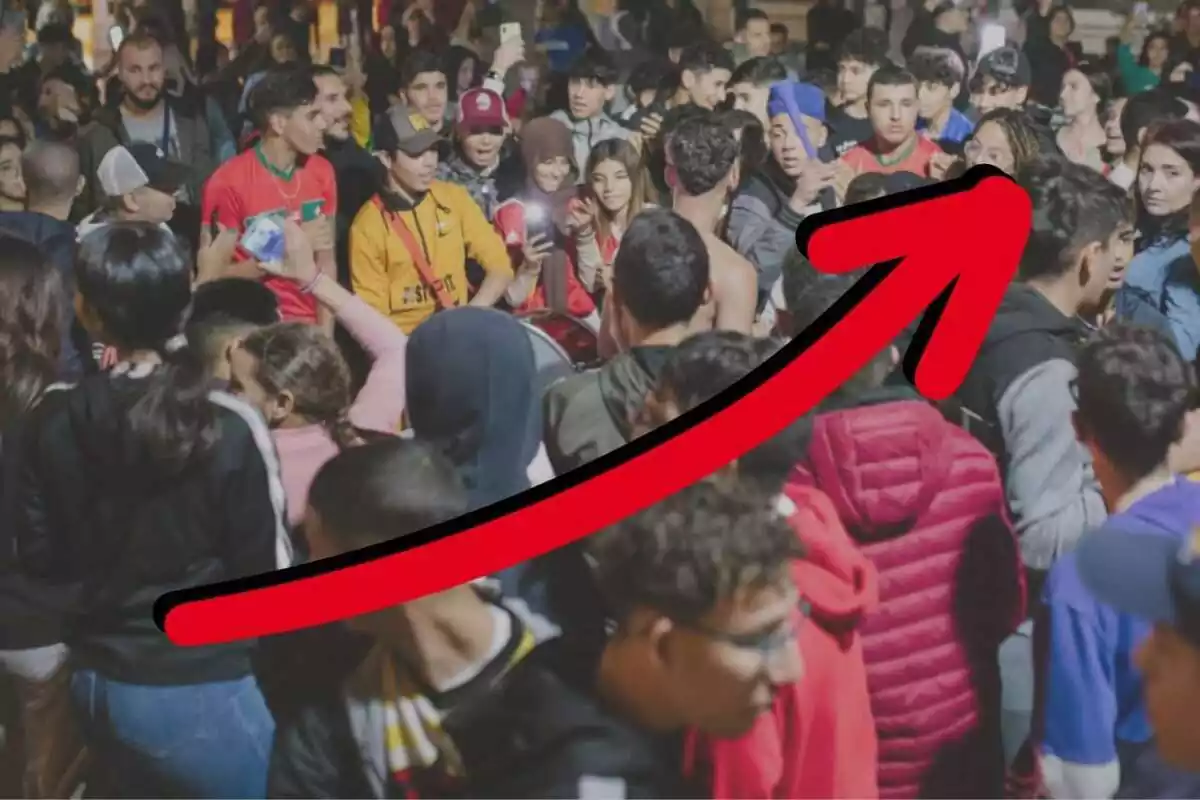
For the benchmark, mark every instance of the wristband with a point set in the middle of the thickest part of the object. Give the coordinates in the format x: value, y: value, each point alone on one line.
x: 308, y: 287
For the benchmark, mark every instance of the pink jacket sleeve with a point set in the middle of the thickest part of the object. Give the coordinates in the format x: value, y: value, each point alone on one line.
x: 380, y: 403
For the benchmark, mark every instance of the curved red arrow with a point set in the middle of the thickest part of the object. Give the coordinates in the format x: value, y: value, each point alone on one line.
x: 954, y: 246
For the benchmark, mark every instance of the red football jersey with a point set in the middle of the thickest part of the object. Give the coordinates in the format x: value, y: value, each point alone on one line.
x: 246, y: 186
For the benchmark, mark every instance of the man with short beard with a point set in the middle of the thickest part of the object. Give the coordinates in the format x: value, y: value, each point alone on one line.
x: 359, y: 174
x: 147, y: 114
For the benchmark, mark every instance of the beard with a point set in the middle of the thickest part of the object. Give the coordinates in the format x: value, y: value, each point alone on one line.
x: 144, y: 105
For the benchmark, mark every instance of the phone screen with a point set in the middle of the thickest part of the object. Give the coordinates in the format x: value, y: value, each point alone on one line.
x: 115, y: 37
x: 510, y: 31
x: 263, y: 239
x: 337, y: 57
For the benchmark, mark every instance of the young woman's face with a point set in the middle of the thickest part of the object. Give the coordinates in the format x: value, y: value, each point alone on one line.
x: 1157, y: 51
x: 1165, y: 181
x: 466, y: 75
x: 282, y: 50
x: 1077, y: 96
x: 1060, y: 26
x: 990, y: 145
x: 550, y: 174
x: 612, y: 185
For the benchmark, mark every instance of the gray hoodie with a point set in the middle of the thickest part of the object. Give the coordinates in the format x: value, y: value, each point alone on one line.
x: 586, y: 134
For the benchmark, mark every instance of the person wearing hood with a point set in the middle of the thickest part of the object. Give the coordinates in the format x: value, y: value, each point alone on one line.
x: 139, y: 185
x: 538, y: 227
x: 934, y: 499
x: 819, y: 738
x: 1134, y: 393
x: 660, y: 282
x: 591, y: 86
x: 52, y: 182
x: 480, y: 161
x: 793, y: 184
x: 1017, y: 397
x: 472, y: 393
x: 138, y: 482
x: 409, y: 246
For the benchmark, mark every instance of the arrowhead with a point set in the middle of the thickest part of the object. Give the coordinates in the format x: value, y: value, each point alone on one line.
x: 947, y: 251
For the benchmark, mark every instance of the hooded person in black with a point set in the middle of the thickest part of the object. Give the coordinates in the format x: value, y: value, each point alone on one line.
x: 471, y: 393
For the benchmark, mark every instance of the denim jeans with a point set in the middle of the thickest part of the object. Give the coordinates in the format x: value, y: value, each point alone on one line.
x: 204, y: 740
x: 1016, y: 676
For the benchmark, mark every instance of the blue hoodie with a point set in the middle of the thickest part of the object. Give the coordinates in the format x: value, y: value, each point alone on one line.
x: 1093, y: 712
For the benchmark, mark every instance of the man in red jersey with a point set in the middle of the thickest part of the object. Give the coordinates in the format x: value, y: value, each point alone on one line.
x: 281, y: 176
x: 895, y: 146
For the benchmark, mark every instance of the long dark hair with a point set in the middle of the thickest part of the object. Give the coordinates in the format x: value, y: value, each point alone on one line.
x: 33, y: 314
x: 136, y: 282
x: 1182, y: 136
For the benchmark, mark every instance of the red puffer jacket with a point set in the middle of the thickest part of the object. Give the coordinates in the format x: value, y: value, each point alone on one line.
x: 924, y: 501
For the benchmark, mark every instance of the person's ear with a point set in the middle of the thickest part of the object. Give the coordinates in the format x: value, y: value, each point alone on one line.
x: 384, y: 159
x: 129, y: 203
x: 821, y: 138
x: 1087, y: 256
x: 954, y: 92
x: 657, y: 631
x: 609, y: 93
x: 80, y: 185
x: 1022, y: 94
x: 688, y: 79
x: 735, y: 175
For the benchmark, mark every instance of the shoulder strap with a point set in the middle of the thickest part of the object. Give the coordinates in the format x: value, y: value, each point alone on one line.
x: 444, y: 299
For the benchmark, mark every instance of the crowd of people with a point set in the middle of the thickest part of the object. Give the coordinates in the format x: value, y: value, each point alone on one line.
x: 502, y: 255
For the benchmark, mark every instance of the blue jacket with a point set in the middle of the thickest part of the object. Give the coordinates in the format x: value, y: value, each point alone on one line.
x: 1162, y: 290
x: 1093, y: 710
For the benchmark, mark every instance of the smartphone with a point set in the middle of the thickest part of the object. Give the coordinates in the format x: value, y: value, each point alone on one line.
x: 992, y: 36
x: 538, y: 223
x: 510, y: 31
x: 115, y: 37
x: 337, y: 57
x: 263, y: 239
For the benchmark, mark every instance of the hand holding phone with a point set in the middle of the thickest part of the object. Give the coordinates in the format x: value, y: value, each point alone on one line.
x: 263, y: 239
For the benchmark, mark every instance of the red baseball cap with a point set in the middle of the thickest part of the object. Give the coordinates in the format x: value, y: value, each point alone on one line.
x: 479, y: 109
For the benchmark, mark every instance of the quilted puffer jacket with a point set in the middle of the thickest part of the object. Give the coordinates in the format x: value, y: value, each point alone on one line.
x: 924, y: 501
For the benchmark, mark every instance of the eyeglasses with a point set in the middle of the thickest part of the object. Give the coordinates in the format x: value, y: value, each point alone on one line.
x: 765, y: 644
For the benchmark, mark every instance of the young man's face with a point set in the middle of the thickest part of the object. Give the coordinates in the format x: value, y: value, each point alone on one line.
x: 852, y: 79
x: 1170, y: 668
x: 302, y: 128
x: 142, y: 74
x: 748, y: 97
x: 787, y: 148
x: 152, y: 205
x: 707, y: 89
x: 334, y: 106
x: 994, y: 94
x: 934, y: 99
x: 779, y: 43
x: 723, y: 670
x: 893, y: 113
x: 1122, y: 248
x: 757, y: 38
x: 12, y: 185
x: 587, y: 97
x: 427, y: 95
x: 482, y: 147
x: 414, y: 173
x: 989, y: 145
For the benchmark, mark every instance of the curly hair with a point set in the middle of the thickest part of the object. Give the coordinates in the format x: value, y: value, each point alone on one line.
x: 1020, y: 133
x: 301, y: 359
x: 33, y: 314
x: 1133, y: 392
x: 697, y: 548
x: 703, y: 151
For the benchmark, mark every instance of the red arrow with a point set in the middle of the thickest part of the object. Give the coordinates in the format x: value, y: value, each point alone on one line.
x: 966, y: 235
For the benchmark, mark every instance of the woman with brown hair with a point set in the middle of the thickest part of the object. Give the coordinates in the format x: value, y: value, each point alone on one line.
x: 300, y: 382
x: 614, y: 192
